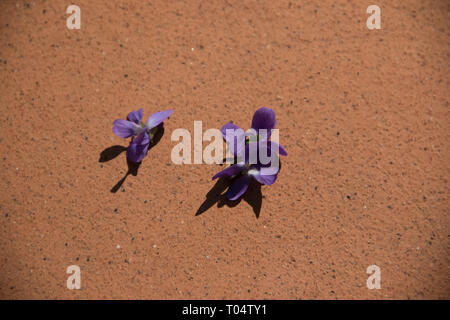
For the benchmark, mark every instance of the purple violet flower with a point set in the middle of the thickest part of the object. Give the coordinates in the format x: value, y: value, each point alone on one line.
x: 141, y: 133
x: 263, y: 119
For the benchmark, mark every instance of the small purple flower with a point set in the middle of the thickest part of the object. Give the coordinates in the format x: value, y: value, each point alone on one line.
x: 243, y: 172
x: 141, y: 132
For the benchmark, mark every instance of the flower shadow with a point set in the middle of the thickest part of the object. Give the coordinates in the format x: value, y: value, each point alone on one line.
x: 252, y: 196
x: 113, y: 152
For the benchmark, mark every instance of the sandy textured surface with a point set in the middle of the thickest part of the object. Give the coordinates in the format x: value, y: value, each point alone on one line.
x: 364, y: 116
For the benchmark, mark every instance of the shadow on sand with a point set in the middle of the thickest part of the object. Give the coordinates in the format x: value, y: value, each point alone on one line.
x: 112, y: 152
x: 252, y: 196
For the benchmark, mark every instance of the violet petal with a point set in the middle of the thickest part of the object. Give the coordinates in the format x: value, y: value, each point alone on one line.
x: 264, y: 175
x: 274, y: 146
x: 138, y: 147
x: 229, y: 172
x: 156, y: 118
x: 236, y: 141
x: 238, y: 188
x: 125, y: 128
x: 264, y: 118
x: 229, y: 125
x: 136, y: 116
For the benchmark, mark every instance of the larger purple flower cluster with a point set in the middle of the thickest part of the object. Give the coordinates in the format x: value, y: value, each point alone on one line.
x: 258, y: 138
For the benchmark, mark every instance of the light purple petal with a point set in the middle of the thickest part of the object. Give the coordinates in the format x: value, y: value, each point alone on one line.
x: 264, y: 118
x: 156, y: 118
x: 265, y: 175
x: 238, y: 188
x: 266, y: 179
x: 229, y: 172
x: 235, y: 140
x: 253, y: 150
x: 136, y: 116
x: 229, y: 125
x: 126, y: 129
x: 138, y: 147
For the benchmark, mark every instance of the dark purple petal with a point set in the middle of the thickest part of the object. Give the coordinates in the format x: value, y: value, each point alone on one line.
x: 138, y: 147
x: 156, y: 118
x: 136, y: 116
x: 264, y: 118
x: 238, y: 188
x: 126, y: 129
x: 229, y: 172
